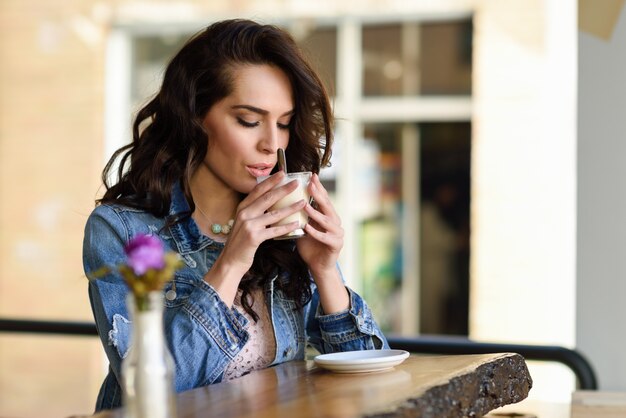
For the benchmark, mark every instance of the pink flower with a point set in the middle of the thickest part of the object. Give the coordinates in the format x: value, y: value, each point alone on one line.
x: 145, y: 252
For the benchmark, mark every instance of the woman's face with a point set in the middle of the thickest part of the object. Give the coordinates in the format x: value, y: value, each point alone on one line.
x: 246, y: 128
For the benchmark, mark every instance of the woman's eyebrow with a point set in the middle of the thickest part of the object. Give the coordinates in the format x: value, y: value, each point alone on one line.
x: 259, y: 110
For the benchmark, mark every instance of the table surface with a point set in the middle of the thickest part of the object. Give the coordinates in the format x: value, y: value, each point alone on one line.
x: 425, y: 386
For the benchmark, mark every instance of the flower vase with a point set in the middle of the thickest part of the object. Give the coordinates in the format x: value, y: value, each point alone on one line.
x: 148, y: 368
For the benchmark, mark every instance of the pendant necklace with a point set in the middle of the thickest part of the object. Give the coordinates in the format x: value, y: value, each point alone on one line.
x: 217, y: 228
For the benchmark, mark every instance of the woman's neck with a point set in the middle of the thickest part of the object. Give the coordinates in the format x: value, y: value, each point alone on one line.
x: 215, y: 201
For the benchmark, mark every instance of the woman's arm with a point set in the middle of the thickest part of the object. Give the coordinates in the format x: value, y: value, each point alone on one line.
x: 351, y: 329
x: 202, y: 332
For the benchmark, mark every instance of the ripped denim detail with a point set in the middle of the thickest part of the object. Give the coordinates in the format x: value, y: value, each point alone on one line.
x: 119, y: 336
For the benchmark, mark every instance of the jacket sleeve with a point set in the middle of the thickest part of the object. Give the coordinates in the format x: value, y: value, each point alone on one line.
x: 348, y: 330
x: 203, y: 334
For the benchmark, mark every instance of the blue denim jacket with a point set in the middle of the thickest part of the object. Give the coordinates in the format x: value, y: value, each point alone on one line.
x: 203, y: 334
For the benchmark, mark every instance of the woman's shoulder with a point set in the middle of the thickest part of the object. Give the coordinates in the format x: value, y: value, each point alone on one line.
x: 117, y: 208
x: 111, y: 211
x: 118, y: 214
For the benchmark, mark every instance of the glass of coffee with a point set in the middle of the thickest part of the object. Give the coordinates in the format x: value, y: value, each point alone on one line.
x: 300, y: 193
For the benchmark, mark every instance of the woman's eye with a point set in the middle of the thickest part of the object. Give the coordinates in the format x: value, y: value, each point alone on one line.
x: 284, y: 126
x: 247, y: 124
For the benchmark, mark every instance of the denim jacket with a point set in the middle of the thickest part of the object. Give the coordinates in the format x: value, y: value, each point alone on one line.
x: 202, y: 332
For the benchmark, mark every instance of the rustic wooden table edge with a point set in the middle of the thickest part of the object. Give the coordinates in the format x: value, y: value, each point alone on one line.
x: 424, y: 386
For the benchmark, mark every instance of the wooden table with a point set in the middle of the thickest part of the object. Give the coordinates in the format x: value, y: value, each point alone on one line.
x: 422, y: 386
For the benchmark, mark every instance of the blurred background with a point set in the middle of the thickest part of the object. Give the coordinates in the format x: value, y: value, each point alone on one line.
x: 476, y: 168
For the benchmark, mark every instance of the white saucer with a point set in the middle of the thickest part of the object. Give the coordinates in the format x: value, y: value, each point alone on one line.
x: 361, y: 361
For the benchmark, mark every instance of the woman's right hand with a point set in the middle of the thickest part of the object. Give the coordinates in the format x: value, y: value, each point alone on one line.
x: 253, y: 225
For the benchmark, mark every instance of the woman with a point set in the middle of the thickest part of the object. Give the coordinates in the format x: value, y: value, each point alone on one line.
x: 231, y: 97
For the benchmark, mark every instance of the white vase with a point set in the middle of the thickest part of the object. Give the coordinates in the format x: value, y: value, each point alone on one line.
x: 148, y: 368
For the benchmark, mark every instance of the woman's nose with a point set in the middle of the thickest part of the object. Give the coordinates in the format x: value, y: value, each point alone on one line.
x: 270, y: 139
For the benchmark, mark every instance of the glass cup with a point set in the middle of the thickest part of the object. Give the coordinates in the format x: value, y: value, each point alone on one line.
x: 300, y: 193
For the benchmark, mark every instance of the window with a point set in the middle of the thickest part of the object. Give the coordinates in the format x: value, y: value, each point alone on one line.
x: 411, y: 58
x: 403, y: 143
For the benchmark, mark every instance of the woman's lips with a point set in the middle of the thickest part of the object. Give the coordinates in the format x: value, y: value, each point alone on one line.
x: 259, y: 170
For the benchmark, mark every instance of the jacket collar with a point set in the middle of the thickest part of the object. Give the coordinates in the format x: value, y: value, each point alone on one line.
x: 186, y: 233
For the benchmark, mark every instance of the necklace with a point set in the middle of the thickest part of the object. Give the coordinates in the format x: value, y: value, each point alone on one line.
x: 217, y: 228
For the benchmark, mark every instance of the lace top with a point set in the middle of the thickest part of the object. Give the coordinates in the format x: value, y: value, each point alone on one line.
x: 260, y: 349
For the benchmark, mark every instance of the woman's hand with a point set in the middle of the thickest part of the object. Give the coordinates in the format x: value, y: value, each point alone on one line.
x: 321, y: 246
x: 252, y: 226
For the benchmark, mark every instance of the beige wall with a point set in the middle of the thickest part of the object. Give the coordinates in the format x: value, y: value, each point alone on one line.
x: 523, y: 267
x: 51, y: 102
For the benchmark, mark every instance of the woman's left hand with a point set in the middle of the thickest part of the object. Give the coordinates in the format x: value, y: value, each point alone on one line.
x: 321, y: 245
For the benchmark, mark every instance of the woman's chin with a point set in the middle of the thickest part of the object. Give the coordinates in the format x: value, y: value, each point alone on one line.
x: 245, y: 187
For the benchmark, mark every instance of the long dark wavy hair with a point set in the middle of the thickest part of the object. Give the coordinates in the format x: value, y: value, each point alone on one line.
x: 169, y: 142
